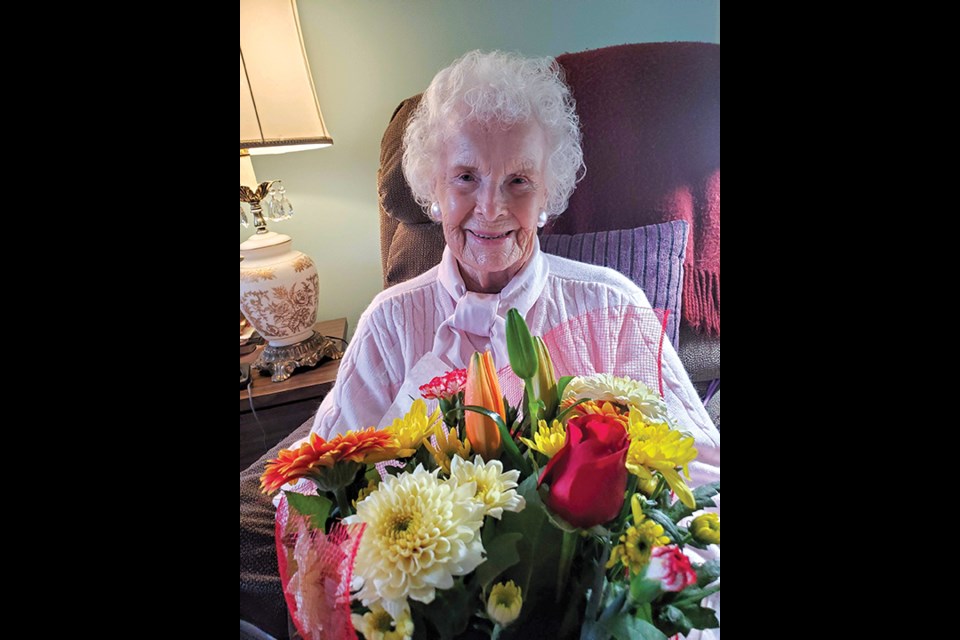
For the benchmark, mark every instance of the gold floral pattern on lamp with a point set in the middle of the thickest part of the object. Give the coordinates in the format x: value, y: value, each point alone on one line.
x: 282, y: 311
x: 301, y: 263
x: 256, y: 275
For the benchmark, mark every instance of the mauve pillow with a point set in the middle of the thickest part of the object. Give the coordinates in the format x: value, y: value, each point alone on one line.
x: 651, y: 256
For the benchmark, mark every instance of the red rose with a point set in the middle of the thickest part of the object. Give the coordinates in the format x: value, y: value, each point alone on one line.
x: 588, y: 475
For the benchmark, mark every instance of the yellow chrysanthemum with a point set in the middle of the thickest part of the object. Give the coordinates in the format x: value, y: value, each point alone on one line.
x: 621, y: 390
x: 421, y: 532
x: 638, y: 541
x: 411, y: 430
x: 504, y: 603
x: 592, y: 407
x: 547, y: 440
x: 657, y: 447
x: 496, y: 489
x: 706, y: 528
x: 448, y: 446
x: 378, y: 624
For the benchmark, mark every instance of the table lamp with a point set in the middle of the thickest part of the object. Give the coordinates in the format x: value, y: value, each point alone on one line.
x: 279, y: 113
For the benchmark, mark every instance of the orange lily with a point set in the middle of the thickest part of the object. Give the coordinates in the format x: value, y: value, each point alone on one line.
x: 483, y: 389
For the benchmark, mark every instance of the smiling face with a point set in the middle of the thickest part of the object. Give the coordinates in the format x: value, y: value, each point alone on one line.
x: 491, y: 191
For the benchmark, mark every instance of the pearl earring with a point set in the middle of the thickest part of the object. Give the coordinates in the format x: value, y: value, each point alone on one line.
x: 542, y: 220
x: 435, y: 210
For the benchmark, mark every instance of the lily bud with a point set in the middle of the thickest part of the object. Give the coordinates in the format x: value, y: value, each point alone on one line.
x: 483, y: 389
x: 523, y: 356
x: 545, y: 382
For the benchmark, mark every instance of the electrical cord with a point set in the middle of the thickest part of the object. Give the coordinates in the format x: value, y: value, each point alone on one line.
x: 263, y: 432
x: 253, y: 410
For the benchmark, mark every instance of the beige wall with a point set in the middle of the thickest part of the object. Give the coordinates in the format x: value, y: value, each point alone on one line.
x: 368, y: 55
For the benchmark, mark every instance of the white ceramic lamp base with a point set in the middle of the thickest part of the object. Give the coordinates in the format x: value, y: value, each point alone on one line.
x: 279, y: 291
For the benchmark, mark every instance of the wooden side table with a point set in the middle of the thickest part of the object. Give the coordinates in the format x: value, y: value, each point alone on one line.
x: 281, y: 407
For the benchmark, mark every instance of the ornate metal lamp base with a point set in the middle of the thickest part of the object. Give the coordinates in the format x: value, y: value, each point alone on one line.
x: 281, y: 361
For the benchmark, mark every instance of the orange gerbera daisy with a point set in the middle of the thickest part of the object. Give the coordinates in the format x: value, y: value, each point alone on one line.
x: 316, y: 455
x: 592, y: 407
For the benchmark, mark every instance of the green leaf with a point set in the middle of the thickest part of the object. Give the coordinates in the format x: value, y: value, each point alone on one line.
x: 626, y: 627
x: 693, y: 595
x: 501, y: 555
x: 562, y: 384
x: 700, y: 617
x: 642, y: 590
x: 688, y: 617
x: 553, y: 518
x: 493, y: 415
x: 626, y: 509
x: 615, y: 604
x: 702, y: 495
x: 707, y: 572
x: 675, y: 618
x: 511, y: 412
x: 645, y: 612
x: 523, y: 355
x: 420, y: 626
x: 563, y: 414
x: 317, y: 508
x: 451, y: 610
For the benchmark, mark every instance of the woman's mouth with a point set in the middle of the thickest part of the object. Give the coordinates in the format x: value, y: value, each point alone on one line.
x: 489, y: 236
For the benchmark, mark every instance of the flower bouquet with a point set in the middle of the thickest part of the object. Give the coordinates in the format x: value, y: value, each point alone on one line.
x: 566, y: 516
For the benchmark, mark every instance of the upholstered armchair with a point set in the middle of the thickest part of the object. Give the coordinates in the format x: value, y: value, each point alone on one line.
x: 648, y: 205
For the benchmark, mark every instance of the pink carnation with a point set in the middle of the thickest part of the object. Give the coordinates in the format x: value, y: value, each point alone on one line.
x: 671, y: 568
x: 446, y: 386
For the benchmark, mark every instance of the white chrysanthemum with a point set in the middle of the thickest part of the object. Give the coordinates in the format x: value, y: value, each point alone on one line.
x: 378, y: 624
x: 420, y: 533
x: 496, y: 490
x: 632, y: 393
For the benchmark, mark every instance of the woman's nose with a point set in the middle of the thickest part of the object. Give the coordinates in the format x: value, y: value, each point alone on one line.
x: 490, y: 201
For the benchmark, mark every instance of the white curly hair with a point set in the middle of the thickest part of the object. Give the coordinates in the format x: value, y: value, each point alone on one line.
x: 502, y: 88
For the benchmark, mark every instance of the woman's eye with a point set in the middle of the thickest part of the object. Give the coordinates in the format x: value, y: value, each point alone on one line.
x: 465, y: 177
x: 519, y: 181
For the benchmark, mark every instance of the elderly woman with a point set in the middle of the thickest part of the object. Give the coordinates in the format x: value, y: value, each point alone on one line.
x: 492, y: 152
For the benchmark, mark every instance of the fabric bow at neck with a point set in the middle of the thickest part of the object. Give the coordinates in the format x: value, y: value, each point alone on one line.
x: 479, y: 321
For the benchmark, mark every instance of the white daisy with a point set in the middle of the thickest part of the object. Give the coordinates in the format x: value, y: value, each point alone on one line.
x: 420, y: 533
x: 624, y: 391
x: 496, y: 490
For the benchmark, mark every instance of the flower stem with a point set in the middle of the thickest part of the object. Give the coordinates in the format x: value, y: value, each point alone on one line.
x: 496, y: 632
x: 661, y: 485
x: 533, y: 409
x: 599, y: 586
x: 343, y: 502
x: 567, y: 549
